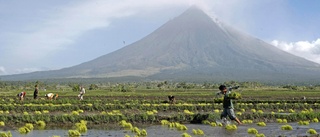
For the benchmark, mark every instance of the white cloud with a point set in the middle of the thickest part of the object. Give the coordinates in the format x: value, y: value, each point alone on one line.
x: 305, y: 49
x: 61, y: 27
x: 26, y: 70
x: 2, y: 71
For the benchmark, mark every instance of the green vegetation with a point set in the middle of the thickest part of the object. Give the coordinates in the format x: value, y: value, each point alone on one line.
x: 128, y: 105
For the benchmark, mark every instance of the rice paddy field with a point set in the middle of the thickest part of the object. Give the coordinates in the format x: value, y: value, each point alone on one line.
x: 128, y: 112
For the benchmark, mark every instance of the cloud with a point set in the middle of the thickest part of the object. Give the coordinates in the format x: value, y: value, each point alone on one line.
x: 27, y: 70
x: 2, y: 70
x: 57, y: 29
x: 305, y: 49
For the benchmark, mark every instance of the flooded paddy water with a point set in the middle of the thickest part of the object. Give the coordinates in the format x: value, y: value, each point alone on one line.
x: 270, y: 130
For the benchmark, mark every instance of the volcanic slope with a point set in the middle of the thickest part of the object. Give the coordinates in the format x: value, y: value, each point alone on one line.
x: 193, y: 47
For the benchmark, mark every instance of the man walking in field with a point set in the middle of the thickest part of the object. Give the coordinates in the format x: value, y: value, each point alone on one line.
x: 36, y: 91
x: 228, y: 105
x: 82, y: 92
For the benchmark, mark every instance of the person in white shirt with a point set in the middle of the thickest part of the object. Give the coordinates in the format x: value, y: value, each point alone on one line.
x: 51, y: 96
x: 82, y: 92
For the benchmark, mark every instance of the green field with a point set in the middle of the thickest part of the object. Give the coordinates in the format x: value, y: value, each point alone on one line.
x: 147, y: 104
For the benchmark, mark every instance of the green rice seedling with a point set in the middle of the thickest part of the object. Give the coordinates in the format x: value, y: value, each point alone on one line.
x: 29, y: 126
x: 164, y: 122
x: 186, y: 135
x: 213, y: 124
x: 261, y: 124
x: 23, y: 130
x: 231, y: 127
x: 206, y: 122
x: 143, y: 132
x: 284, y: 121
x: 81, y: 127
x: 291, y: 111
x: 126, y: 135
x: 25, y: 113
x: 150, y: 113
x: 312, y: 131
x: 136, y: 130
x: 38, y: 112
x: 313, y: 120
x: 171, y: 125
x: 74, y: 133
x: 5, y: 134
x: 41, y: 124
x: 216, y: 111
x: 188, y: 112
x: 80, y: 111
x: 235, y: 95
x: 239, y: 113
x: 260, y: 112
x: 242, y: 110
x: 126, y: 125
x: 181, y: 127
x: 279, y: 120
x: 260, y: 135
x: 253, y: 110
x: 286, y: 127
x: 252, y: 131
x: 76, y: 113
x: 197, y: 132
x: 303, y: 122
x: 2, y: 123
x: 247, y: 121
x: 45, y: 111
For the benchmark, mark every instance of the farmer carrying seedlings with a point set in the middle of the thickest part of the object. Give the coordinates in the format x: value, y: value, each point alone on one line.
x: 227, y: 104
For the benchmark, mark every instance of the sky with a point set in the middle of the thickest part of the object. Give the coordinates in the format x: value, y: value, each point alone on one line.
x: 37, y: 35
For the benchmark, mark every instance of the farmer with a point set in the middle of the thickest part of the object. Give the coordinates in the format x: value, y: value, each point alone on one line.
x: 82, y: 92
x: 227, y: 105
x: 21, y: 95
x: 172, y: 99
x: 36, y: 91
x: 51, y: 96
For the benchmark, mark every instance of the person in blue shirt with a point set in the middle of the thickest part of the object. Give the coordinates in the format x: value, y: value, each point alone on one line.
x: 227, y: 105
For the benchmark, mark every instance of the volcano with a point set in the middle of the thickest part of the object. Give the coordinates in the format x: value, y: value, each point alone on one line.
x: 192, y: 47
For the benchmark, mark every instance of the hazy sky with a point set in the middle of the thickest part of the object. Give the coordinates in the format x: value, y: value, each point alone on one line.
x: 53, y: 34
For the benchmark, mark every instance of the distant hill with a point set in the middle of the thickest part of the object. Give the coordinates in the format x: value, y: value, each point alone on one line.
x: 192, y: 47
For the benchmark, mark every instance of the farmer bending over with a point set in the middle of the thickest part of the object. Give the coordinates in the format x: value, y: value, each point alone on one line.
x: 21, y: 95
x: 51, y: 96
